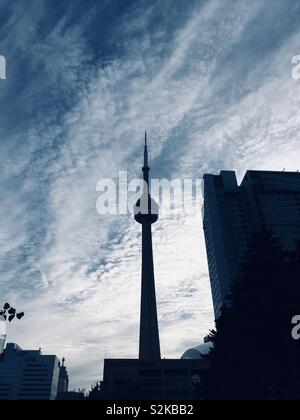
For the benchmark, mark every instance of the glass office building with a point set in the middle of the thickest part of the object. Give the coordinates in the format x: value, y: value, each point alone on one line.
x: 232, y: 213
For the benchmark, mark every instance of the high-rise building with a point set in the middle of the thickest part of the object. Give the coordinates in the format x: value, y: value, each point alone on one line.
x: 2, y: 334
x: 149, y: 376
x: 232, y: 213
x: 146, y: 213
x: 27, y: 374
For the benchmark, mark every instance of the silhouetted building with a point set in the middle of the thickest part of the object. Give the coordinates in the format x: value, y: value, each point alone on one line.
x: 232, y: 213
x: 71, y: 396
x: 153, y: 379
x: 63, y: 380
x: 146, y: 213
x: 27, y: 374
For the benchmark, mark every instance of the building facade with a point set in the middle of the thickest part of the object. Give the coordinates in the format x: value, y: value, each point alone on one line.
x: 233, y: 213
x: 28, y: 375
x: 63, y: 380
x: 2, y: 334
x: 163, y: 379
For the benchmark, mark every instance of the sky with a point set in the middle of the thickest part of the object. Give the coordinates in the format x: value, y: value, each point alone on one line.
x: 210, y: 80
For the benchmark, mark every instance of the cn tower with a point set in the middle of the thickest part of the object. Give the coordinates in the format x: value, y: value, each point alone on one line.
x: 146, y: 213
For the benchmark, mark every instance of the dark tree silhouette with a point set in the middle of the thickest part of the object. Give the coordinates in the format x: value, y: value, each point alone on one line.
x: 254, y: 355
x: 96, y: 393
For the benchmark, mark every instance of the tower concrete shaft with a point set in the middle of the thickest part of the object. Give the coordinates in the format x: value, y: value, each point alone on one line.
x: 149, y: 333
x: 146, y: 215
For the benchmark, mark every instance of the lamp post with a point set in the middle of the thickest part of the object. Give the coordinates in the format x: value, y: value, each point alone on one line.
x: 8, y: 313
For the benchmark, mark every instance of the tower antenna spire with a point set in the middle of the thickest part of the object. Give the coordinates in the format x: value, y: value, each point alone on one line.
x: 146, y: 161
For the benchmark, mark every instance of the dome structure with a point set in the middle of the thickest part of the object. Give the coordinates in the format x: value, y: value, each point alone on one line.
x: 197, y: 352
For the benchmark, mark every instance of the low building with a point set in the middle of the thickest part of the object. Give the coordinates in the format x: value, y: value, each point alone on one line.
x: 71, y: 396
x: 28, y: 374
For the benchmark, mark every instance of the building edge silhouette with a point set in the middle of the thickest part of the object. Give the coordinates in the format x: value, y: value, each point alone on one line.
x: 233, y: 214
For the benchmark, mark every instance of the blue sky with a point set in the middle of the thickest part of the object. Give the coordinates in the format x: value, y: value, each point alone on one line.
x: 210, y: 81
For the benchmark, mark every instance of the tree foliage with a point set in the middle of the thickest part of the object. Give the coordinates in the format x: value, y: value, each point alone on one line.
x: 254, y: 355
